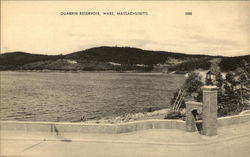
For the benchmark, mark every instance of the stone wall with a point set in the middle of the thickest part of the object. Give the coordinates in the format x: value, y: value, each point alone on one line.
x: 112, y: 128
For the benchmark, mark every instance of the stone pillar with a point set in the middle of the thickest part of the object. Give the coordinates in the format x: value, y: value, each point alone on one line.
x: 209, y: 111
x: 190, y: 119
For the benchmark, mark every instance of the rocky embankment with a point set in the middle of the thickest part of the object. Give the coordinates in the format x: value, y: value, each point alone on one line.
x: 159, y: 114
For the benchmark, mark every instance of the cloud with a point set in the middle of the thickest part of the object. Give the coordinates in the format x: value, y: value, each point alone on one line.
x: 215, y: 27
x: 213, y: 41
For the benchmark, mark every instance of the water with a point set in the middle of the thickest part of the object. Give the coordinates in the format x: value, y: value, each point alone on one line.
x: 55, y: 96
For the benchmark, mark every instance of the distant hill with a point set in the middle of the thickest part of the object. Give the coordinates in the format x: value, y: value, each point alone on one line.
x: 15, y: 60
x: 116, y: 58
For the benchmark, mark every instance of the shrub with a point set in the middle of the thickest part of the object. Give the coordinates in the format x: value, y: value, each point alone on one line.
x: 192, y: 85
x: 233, y: 91
x: 173, y: 115
x: 235, y: 94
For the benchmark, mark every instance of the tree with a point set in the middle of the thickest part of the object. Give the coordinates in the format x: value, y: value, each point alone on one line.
x: 193, y: 83
x: 236, y: 91
x: 233, y: 91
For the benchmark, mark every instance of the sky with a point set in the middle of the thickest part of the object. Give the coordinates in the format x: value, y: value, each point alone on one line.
x: 214, y: 28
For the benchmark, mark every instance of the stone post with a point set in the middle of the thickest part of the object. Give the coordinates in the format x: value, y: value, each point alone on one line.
x: 190, y: 119
x: 209, y: 111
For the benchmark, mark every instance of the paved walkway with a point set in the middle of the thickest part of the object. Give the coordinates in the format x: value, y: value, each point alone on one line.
x: 232, y: 141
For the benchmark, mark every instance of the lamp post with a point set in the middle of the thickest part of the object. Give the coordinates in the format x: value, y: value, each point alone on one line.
x: 209, y: 109
x: 210, y: 77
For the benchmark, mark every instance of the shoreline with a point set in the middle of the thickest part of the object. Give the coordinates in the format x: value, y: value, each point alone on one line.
x: 157, y: 114
x: 99, y: 71
x: 135, y: 117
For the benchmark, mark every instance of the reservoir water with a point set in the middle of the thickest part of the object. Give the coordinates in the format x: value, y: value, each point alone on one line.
x: 58, y: 96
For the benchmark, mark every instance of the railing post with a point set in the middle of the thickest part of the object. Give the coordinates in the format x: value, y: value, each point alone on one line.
x: 209, y: 111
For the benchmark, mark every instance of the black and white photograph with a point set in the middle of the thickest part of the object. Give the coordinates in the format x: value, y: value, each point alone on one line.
x: 117, y: 78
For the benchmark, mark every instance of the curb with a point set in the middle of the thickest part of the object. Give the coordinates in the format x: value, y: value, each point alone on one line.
x: 209, y: 142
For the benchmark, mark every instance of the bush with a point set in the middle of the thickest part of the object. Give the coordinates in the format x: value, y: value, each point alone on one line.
x: 193, y: 83
x: 233, y: 92
x: 191, y: 86
x: 173, y: 115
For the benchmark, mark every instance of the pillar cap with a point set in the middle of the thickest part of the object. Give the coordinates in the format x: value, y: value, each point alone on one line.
x: 209, y: 88
x: 194, y: 103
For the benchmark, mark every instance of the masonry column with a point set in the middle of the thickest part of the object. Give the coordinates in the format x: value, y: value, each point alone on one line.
x: 209, y: 110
